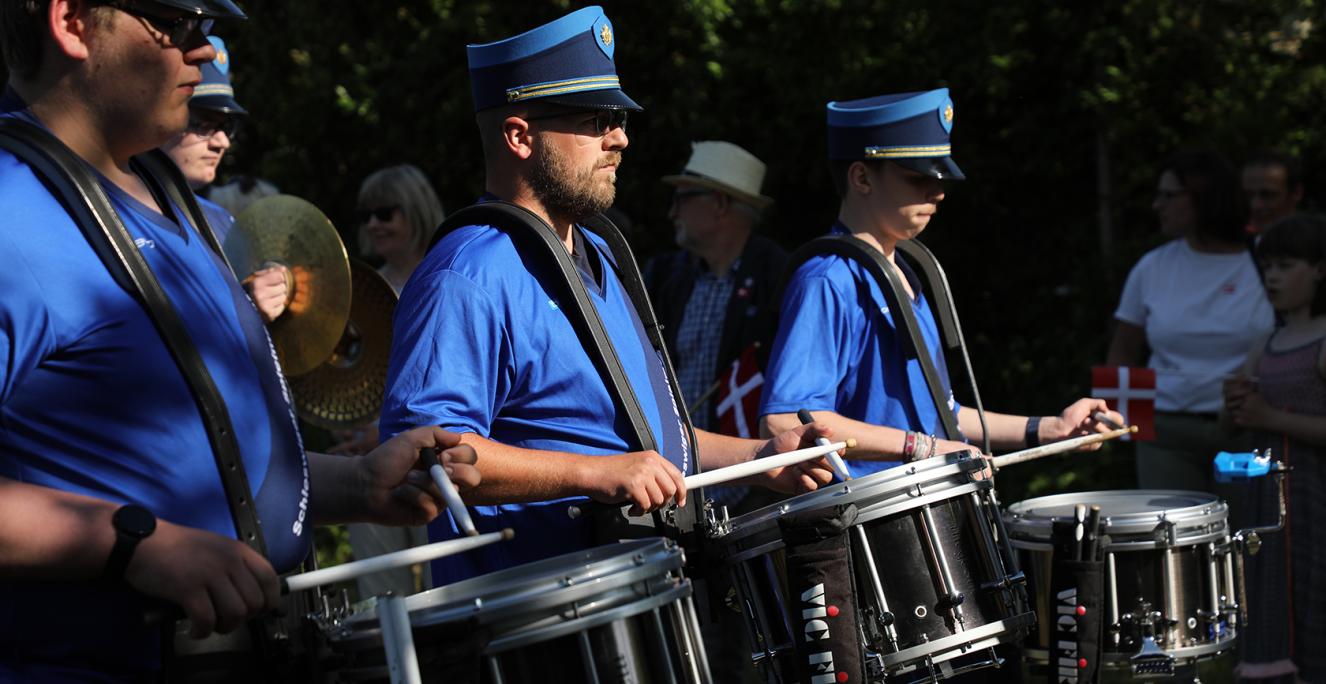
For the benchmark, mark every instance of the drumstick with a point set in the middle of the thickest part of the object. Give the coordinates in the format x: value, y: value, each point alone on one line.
x: 760, y: 465
x: 1102, y: 417
x: 1080, y: 520
x: 1093, y: 532
x: 1059, y: 447
x: 834, y: 459
x: 387, y: 561
x: 449, y: 494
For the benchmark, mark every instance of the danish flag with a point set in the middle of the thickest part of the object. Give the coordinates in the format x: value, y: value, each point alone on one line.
x: 1131, y: 392
x: 739, y: 396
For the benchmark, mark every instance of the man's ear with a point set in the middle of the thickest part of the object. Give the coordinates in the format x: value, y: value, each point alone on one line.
x: 70, y: 23
x: 859, y: 178
x: 516, y: 137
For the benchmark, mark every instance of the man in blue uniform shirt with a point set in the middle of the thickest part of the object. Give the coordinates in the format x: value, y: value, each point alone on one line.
x: 99, y: 430
x: 889, y: 156
x: 214, y: 119
x: 552, y: 118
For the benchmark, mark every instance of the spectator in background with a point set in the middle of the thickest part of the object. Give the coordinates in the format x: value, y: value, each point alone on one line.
x: 1273, y: 183
x: 1190, y: 309
x: 214, y: 119
x: 397, y: 215
x: 1281, y: 395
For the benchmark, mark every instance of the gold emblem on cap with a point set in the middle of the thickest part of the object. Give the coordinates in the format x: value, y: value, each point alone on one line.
x: 606, y: 35
x: 222, y: 57
x: 948, y: 113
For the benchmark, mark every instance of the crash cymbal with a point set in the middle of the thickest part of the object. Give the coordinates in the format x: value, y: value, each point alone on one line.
x: 346, y: 391
x: 292, y: 232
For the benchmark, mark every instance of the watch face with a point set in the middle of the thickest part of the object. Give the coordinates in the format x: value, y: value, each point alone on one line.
x: 135, y: 521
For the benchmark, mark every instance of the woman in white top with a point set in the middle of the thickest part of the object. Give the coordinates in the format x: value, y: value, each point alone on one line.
x: 1190, y: 309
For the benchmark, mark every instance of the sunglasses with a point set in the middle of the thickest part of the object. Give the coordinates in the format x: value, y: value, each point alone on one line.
x: 604, y: 121
x: 176, y: 29
x: 208, y: 127
x: 382, y: 214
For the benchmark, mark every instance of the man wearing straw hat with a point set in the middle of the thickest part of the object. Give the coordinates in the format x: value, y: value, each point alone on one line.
x: 840, y: 351
x: 715, y: 301
x: 483, y: 342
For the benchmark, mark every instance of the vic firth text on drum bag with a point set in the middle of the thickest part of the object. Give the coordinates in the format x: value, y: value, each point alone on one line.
x: 1077, y: 589
x: 820, y: 586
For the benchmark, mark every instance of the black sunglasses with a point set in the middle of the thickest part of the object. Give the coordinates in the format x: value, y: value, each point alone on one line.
x: 176, y: 29
x: 382, y: 214
x: 207, y: 127
x: 605, y: 120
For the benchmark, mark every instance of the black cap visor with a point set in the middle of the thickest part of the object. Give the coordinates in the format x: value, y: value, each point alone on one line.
x: 592, y: 99
x: 218, y: 103
x: 212, y: 9
x: 943, y: 168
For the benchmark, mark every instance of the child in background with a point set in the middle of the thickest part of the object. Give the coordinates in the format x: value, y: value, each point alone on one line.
x: 1281, y: 396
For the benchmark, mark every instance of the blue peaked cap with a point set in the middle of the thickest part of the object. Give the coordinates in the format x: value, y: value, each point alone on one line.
x: 215, y: 92
x: 566, y: 62
x: 910, y: 129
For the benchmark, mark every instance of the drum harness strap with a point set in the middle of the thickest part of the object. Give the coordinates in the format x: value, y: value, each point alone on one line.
x: 535, y: 234
x: 77, y: 187
x: 855, y: 249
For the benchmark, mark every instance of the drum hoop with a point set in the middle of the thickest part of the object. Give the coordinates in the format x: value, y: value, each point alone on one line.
x: 540, y: 592
x: 1186, y: 654
x: 853, y: 492
x: 547, y: 633
x: 1220, y: 536
x: 1209, y: 512
x: 959, y: 644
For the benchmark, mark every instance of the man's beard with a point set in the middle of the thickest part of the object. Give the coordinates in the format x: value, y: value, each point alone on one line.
x: 568, y: 193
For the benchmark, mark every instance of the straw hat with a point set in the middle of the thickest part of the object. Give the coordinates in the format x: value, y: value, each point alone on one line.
x: 724, y: 167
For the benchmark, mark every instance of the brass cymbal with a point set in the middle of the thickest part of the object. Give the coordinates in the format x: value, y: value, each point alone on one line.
x: 346, y: 391
x: 292, y: 232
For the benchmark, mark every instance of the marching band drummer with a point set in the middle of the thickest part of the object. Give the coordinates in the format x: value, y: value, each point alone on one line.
x: 214, y: 118
x: 110, y: 488
x: 889, y: 156
x: 518, y: 383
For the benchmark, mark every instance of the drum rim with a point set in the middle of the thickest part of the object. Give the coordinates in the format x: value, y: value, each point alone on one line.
x: 1006, y: 630
x: 1023, y: 523
x: 508, y: 591
x: 580, y: 624
x: 880, y: 484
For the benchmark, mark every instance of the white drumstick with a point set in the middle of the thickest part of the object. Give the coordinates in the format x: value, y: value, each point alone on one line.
x: 760, y: 465
x: 834, y: 459
x: 387, y: 561
x: 449, y: 494
x: 1059, y: 447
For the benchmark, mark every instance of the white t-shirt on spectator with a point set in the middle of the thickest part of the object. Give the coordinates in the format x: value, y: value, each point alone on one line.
x: 1201, y: 312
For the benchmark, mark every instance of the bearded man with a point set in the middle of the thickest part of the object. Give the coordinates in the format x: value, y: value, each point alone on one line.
x: 483, y: 344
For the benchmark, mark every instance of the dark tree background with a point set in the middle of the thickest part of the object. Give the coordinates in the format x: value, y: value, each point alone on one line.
x: 1063, y: 111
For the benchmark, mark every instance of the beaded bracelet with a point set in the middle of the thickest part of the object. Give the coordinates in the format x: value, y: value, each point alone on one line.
x: 908, y: 445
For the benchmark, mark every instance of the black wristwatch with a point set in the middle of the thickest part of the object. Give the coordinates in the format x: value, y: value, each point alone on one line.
x: 133, y: 524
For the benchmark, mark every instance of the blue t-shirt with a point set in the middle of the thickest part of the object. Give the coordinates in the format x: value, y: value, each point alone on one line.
x: 220, y: 219
x: 838, y: 350
x: 92, y: 402
x: 481, y: 345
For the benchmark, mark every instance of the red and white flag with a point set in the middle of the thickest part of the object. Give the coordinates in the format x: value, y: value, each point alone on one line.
x: 1131, y: 392
x: 739, y: 396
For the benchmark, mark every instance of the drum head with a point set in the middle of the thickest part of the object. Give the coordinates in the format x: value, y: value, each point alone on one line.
x: 1122, y: 512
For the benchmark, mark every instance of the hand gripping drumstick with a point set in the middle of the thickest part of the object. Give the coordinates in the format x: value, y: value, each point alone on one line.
x: 449, y: 494
x: 834, y: 459
x: 387, y: 561
x: 1059, y: 447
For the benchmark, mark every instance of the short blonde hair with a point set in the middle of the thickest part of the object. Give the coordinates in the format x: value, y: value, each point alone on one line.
x: 407, y: 187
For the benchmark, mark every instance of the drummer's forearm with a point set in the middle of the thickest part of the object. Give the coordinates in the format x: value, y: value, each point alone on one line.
x: 720, y: 451
x: 873, y: 442
x: 1006, y: 431
x: 51, y: 534
x: 515, y: 475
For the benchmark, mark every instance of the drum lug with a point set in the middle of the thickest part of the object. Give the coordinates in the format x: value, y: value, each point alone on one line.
x: 716, y: 522
x: 1006, y: 582
x: 1165, y: 534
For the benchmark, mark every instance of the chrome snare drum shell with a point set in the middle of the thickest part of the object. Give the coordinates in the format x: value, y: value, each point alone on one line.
x: 937, y: 499
x: 1168, y: 548
x: 625, y: 607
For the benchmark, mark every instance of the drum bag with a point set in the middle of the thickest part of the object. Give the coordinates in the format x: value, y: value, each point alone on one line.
x: 1077, y: 596
x: 820, y: 595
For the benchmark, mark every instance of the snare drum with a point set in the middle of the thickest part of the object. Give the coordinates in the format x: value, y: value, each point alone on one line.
x: 1169, y: 575
x: 925, y: 532
x: 616, y: 613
